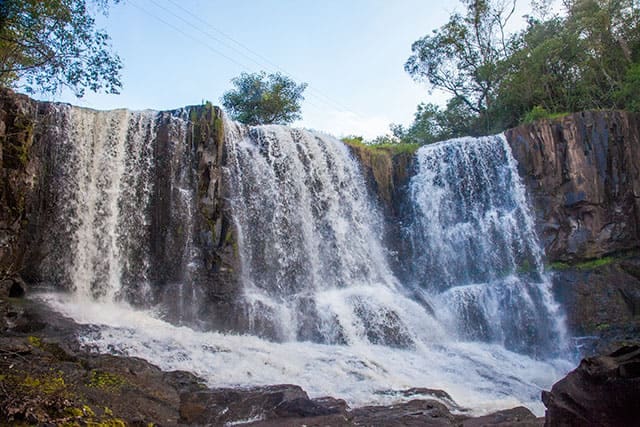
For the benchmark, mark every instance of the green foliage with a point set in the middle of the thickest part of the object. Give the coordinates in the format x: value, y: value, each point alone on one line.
x: 539, y: 113
x: 464, y: 57
x: 381, y: 144
x: 587, y: 58
x: 629, y: 93
x: 47, y: 45
x: 259, y: 99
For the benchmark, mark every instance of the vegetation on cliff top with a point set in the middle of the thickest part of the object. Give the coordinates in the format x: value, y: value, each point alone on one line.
x: 586, y: 58
x: 382, y: 145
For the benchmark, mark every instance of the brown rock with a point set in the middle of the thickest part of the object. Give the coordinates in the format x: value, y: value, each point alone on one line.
x: 516, y: 417
x: 602, y: 391
x: 583, y: 174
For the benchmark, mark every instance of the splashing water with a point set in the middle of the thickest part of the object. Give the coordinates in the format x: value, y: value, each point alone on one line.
x: 313, y: 266
x: 475, y: 251
x: 318, y: 298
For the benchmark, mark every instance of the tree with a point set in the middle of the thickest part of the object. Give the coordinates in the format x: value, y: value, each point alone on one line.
x: 464, y: 56
x: 259, y: 99
x: 49, y: 44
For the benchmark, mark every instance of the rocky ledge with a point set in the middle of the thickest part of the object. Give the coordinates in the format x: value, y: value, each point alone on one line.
x: 46, y: 378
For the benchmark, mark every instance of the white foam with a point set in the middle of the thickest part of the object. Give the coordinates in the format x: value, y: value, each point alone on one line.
x: 481, y: 377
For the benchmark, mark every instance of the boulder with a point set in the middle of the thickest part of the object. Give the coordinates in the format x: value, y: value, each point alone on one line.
x: 602, y: 391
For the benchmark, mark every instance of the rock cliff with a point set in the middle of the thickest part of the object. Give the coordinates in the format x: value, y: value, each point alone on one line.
x: 387, y: 173
x: 582, y: 173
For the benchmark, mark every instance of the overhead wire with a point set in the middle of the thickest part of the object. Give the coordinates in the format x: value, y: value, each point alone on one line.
x: 204, y: 43
x: 314, y: 93
x: 260, y: 56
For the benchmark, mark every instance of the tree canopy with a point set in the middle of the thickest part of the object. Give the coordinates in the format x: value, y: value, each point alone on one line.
x: 586, y: 58
x: 49, y: 44
x: 259, y: 99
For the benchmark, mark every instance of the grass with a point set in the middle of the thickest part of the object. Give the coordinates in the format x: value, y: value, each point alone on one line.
x: 391, y: 148
x: 539, y: 113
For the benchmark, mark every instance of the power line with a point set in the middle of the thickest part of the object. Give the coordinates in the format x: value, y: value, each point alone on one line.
x: 258, y: 55
x: 312, y: 92
x: 207, y: 45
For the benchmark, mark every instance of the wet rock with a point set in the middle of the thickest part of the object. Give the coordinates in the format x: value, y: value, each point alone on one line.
x: 601, y: 303
x: 602, y: 391
x: 12, y: 288
x: 582, y: 172
x: 516, y: 417
x: 413, y: 413
x: 220, y: 406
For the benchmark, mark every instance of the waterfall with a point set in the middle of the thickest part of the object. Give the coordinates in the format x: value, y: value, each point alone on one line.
x: 313, y: 265
x: 316, y: 302
x: 475, y: 251
x: 108, y: 185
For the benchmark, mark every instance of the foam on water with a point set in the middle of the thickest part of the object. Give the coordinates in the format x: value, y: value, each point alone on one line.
x: 314, y: 274
x: 479, y: 376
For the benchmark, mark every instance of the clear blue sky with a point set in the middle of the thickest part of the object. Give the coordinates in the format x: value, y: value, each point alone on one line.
x: 351, y: 52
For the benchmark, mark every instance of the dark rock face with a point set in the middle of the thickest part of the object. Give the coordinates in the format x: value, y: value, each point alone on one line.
x: 215, y: 235
x: 387, y: 175
x: 583, y: 173
x: 602, y: 391
x: 17, y: 131
x: 602, y: 304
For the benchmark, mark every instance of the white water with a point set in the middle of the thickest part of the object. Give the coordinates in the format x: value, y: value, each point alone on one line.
x: 313, y: 265
x: 314, y: 271
x: 107, y: 185
x: 481, y: 377
x: 475, y: 251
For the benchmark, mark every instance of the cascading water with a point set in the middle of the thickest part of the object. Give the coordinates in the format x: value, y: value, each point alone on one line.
x: 314, y: 277
x: 475, y: 251
x: 313, y: 266
x: 105, y: 182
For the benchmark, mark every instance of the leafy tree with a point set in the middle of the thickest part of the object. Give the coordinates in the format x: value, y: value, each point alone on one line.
x: 587, y: 58
x: 259, y: 99
x: 49, y: 44
x: 464, y: 56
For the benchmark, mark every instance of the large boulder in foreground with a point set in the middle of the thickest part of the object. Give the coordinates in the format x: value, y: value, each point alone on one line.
x: 602, y: 391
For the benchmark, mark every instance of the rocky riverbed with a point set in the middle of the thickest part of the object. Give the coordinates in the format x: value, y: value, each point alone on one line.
x: 48, y: 379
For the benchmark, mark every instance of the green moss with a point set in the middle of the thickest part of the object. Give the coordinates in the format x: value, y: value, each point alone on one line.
x: 47, y: 384
x: 35, y: 341
x: 525, y: 267
x: 599, y: 262
x: 538, y: 113
x: 106, y: 381
x: 559, y: 265
x: 602, y: 326
x: 585, y: 265
x: 73, y: 412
